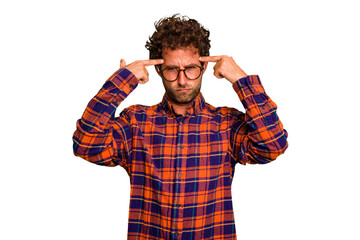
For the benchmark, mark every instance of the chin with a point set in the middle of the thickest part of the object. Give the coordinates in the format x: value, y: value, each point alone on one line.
x: 186, y: 100
x: 182, y: 98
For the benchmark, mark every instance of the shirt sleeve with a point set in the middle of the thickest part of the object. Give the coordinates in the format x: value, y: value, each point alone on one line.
x: 257, y: 137
x: 98, y: 138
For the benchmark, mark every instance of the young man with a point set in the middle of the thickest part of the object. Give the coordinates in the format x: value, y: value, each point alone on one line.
x: 180, y: 154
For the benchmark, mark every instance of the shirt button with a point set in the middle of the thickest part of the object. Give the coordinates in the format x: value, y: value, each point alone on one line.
x: 176, y: 233
x: 177, y: 205
x: 180, y: 175
x: 131, y: 86
x: 182, y: 147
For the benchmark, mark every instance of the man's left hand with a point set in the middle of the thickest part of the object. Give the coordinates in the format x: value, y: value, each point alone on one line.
x: 225, y: 67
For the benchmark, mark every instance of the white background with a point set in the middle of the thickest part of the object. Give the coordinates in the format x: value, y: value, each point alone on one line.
x: 55, y: 56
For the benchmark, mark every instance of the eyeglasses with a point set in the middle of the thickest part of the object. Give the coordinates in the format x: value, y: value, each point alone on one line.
x: 171, y: 74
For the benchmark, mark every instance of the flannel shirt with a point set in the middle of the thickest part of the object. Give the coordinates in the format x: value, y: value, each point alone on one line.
x: 180, y: 168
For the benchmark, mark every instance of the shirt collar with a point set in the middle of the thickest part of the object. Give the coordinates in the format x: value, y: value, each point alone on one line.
x: 194, y: 107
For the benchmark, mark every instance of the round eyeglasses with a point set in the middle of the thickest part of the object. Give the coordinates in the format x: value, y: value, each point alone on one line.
x: 171, y: 74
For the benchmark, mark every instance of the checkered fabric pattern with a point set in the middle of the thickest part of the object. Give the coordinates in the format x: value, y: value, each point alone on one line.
x: 180, y: 168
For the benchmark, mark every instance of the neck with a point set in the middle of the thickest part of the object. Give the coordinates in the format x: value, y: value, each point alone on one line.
x: 180, y: 109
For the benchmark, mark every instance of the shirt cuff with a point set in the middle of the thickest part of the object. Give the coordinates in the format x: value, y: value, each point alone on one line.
x: 254, y: 99
x: 122, y: 83
x: 247, y: 86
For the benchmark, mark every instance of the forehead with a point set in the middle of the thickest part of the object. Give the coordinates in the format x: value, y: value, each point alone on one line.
x: 181, y: 56
x: 189, y: 48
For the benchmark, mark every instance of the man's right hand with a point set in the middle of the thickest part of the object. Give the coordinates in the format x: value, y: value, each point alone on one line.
x: 138, y: 68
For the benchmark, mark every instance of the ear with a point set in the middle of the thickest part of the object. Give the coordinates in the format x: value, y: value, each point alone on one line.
x: 157, y: 70
x: 205, y: 66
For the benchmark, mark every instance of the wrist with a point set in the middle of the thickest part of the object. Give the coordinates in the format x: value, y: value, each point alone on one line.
x: 237, y: 78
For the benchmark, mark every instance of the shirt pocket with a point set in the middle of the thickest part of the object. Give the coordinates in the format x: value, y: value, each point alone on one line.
x: 211, y: 161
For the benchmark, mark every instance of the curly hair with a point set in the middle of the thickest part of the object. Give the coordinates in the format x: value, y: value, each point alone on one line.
x: 177, y: 32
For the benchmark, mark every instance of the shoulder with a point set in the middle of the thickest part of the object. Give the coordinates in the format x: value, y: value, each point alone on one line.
x: 139, y: 110
x: 223, y: 112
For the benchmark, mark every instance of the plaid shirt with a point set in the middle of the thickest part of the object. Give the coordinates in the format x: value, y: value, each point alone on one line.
x: 180, y: 168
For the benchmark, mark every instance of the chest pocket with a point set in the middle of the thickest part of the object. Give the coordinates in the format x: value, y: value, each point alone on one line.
x: 215, y: 148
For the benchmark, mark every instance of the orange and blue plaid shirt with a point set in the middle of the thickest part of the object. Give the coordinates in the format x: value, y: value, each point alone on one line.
x: 180, y: 168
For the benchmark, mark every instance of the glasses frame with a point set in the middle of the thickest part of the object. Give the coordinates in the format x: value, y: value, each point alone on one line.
x: 180, y: 70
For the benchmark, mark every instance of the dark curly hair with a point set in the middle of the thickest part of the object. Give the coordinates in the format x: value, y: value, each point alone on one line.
x: 175, y: 32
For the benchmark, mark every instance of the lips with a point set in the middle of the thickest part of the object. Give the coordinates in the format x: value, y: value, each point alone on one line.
x: 183, y: 90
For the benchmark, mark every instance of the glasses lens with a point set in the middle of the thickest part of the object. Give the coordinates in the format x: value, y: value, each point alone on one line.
x: 192, y: 72
x: 170, y: 74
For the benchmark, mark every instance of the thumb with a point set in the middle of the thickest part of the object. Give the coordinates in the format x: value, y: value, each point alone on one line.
x: 122, y: 63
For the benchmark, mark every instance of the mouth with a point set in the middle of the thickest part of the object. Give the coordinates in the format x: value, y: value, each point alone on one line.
x: 183, y: 90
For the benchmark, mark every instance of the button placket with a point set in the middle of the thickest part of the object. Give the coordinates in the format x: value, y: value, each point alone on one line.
x: 178, y: 188
x: 176, y: 226
x: 180, y: 148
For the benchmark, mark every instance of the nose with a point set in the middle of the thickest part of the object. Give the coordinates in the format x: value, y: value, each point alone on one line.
x: 182, y: 78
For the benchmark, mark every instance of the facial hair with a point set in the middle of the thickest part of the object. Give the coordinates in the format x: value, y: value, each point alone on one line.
x: 182, y: 98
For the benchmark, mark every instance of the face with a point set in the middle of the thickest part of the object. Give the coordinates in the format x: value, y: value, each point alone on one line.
x: 182, y: 91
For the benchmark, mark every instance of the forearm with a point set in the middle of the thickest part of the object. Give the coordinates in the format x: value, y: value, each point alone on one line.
x: 265, y: 137
x: 93, y: 138
x: 102, y: 107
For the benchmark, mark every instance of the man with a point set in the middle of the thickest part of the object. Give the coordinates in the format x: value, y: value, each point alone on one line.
x: 181, y: 153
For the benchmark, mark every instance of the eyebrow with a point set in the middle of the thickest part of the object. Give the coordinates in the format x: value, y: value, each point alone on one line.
x: 186, y: 66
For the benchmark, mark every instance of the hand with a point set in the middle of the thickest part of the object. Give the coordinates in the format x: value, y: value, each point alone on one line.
x: 138, y: 68
x: 225, y: 67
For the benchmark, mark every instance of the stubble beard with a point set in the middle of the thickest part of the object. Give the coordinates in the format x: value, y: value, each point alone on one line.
x: 182, y: 98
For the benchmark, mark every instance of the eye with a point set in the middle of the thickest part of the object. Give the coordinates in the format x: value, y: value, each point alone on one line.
x: 171, y: 70
x: 191, y: 68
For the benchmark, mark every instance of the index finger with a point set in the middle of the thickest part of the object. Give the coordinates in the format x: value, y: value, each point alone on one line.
x: 151, y: 62
x: 210, y: 58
